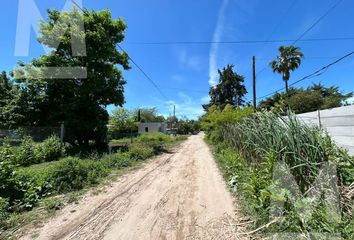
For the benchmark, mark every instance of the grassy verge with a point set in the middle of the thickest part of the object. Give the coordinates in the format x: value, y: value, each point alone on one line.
x: 277, y: 168
x: 31, y: 194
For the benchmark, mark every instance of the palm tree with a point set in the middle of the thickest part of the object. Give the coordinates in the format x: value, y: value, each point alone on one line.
x: 288, y: 60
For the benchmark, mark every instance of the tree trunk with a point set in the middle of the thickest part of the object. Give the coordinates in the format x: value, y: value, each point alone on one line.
x: 286, y: 87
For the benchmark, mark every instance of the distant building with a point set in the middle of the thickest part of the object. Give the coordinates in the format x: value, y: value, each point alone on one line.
x: 152, y: 127
x: 172, y: 128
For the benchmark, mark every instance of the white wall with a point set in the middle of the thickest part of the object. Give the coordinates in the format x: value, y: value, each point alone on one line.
x: 152, y: 127
x: 338, y: 122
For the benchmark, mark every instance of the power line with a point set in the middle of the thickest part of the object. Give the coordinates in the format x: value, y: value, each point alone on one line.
x: 241, y: 41
x: 275, y: 29
x: 140, y: 69
x: 318, y: 21
x: 183, y: 89
x: 307, y: 58
x: 147, y: 76
x: 299, y: 39
x: 286, y: 13
x: 77, y: 5
x: 312, y: 75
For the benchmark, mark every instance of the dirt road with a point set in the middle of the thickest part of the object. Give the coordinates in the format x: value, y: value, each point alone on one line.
x: 178, y: 195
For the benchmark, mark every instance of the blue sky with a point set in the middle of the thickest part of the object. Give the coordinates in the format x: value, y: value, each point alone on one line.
x: 184, y: 72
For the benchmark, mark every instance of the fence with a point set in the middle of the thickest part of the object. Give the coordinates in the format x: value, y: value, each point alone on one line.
x: 338, y: 122
x: 36, y: 133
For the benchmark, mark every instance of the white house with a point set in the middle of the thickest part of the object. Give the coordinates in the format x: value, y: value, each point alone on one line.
x: 152, y: 127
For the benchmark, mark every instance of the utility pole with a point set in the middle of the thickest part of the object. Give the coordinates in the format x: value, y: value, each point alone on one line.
x: 174, y: 112
x: 254, y: 84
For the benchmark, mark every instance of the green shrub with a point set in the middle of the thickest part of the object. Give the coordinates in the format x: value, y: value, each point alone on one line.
x: 25, y: 153
x: 52, y: 204
x: 118, y: 160
x: 74, y: 174
x: 33, y: 185
x: 154, y: 138
x: 29, y: 152
x: 7, y: 174
x: 4, y: 210
x: 140, y: 152
x: 7, y: 168
x: 49, y: 150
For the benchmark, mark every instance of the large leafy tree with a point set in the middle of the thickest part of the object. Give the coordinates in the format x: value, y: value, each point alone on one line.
x: 310, y: 99
x: 289, y: 59
x: 230, y: 89
x: 123, y: 120
x: 79, y: 102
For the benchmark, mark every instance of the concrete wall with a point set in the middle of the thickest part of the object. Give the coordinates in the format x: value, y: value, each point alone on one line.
x: 152, y: 127
x: 338, y: 122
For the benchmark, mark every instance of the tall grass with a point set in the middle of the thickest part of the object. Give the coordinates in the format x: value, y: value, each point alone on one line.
x: 247, y: 155
x: 303, y: 148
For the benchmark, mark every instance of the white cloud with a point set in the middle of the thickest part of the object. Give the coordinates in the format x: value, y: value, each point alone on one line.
x: 213, y: 69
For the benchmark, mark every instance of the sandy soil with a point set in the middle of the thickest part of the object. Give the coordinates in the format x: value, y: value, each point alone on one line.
x: 178, y: 195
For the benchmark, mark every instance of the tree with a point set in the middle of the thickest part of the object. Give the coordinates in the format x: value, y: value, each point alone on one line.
x: 310, y: 99
x: 186, y: 126
x: 10, y: 100
x: 305, y: 101
x: 79, y: 102
x: 148, y: 115
x: 332, y: 96
x: 289, y: 59
x: 216, y: 118
x: 123, y: 120
x: 230, y: 89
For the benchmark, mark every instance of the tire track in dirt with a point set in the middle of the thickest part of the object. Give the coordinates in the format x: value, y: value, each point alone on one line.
x: 175, y: 196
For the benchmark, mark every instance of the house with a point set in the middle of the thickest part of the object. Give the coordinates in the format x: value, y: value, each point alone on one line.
x: 152, y: 127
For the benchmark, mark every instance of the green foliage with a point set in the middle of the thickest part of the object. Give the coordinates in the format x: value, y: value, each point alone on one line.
x: 302, y: 100
x: 247, y: 157
x: 263, y: 133
x: 7, y: 167
x: 289, y: 59
x: 154, y: 138
x: 31, y: 185
x: 230, y: 89
x: 49, y: 150
x: 52, y: 204
x: 123, y: 120
x: 4, y: 206
x: 186, y: 127
x: 118, y: 160
x: 29, y: 152
x: 79, y: 102
x: 147, y: 115
x: 216, y: 118
x: 10, y: 102
x: 140, y: 152
x: 74, y: 174
x: 25, y: 153
x: 21, y: 189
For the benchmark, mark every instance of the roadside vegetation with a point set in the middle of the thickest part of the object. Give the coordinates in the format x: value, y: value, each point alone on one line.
x: 289, y: 177
x: 251, y: 150
x: 35, y: 174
